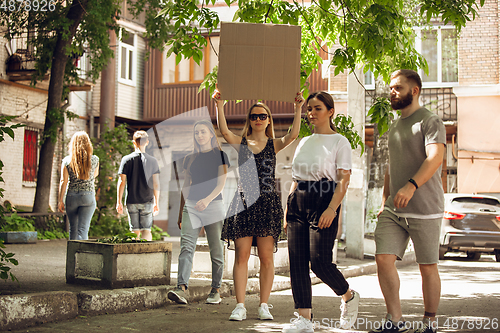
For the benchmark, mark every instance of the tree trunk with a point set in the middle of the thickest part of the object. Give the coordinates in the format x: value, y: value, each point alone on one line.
x: 380, y: 157
x: 52, y: 115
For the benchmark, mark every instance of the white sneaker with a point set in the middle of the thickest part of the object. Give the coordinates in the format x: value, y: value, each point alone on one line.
x: 264, y: 313
x: 239, y: 313
x: 299, y: 325
x: 213, y: 297
x: 349, y: 311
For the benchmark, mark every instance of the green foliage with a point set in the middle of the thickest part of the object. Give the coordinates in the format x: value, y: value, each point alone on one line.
x: 98, y: 18
x: 210, y: 81
x: 56, y: 38
x: 129, y: 237
x: 91, y: 37
x: 377, y: 33
x: 15, y: 222
x: 9, y: 130
x: 306, y: 129
x: 179, y: 25
x: 54, y: 234
x: 158, y: 233
x: 54, y: 228
x: 371, y: 221
x: 345, y: 126
x: 5, y: 260
x: 456, y: 12
x: 381, y: 113
x: 110, y: 148
x: 105, y: 224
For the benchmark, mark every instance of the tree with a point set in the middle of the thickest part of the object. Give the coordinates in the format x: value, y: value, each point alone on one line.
x: 377, y: 33
x: 59, y: 33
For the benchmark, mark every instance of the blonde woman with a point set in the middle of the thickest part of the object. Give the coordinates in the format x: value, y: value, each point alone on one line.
x: 255, y: 214
x: 205, y: 171
x: 79, y: 169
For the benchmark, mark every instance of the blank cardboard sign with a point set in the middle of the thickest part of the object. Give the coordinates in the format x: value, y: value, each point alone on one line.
x: 259, y: 61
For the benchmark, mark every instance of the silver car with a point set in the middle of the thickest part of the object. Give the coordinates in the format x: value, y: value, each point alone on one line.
x: 471, y: 224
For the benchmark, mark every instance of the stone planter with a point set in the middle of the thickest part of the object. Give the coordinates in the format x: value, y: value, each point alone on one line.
x: 19, y: 237
x: 119, y: 265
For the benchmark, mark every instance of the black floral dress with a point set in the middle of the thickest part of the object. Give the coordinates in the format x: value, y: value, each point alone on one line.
x: 256, y: 209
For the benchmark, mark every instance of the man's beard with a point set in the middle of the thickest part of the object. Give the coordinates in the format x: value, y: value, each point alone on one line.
x: 403, y: 102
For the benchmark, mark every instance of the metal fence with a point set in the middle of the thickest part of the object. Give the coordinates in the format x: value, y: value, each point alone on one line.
x: 441, y: 101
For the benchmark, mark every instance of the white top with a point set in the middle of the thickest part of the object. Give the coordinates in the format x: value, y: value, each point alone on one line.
x: 320, y: 155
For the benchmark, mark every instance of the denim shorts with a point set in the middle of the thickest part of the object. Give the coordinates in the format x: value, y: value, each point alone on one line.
x: 140, y: 216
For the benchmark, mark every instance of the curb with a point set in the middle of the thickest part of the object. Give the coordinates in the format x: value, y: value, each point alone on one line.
x: 21, y: 311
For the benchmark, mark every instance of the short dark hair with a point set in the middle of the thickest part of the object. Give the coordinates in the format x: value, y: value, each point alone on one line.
x: 410, y: 75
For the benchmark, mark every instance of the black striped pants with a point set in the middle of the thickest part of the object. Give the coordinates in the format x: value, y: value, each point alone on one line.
x: 307, y: 243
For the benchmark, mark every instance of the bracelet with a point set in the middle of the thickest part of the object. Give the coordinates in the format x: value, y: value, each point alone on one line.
x: 411, y: 180
x: 333, y: 209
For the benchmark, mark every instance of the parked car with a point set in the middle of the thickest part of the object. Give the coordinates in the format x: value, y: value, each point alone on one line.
x: 471, y: 224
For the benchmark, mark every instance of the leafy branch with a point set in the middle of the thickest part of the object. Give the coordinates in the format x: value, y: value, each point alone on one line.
x: 381, y: 114
x: 129, y: 237
x: 5, y: 260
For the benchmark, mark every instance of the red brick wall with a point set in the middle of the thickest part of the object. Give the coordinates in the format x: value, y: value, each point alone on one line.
x: 478, y: 47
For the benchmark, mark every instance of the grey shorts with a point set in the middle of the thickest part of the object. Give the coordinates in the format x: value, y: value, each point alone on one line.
x: 393, y: 234
x: 140, y: 216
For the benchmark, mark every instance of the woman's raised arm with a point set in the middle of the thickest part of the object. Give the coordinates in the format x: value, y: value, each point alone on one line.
x: 284, y: 141
x: 229, y: 136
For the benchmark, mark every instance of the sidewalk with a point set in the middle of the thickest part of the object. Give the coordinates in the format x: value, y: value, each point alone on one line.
x: 44, y: 296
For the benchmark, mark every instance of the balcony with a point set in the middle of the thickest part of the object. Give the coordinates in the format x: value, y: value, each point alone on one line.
x: 441, y: 101
x: 20, y: 66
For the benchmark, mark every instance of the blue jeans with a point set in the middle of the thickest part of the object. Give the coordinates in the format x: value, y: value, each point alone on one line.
x: 189, y: 235
x: 140, y: 216
x: 80, y: 207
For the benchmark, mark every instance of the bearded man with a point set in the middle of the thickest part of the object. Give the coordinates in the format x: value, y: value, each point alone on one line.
x: 412, y: 203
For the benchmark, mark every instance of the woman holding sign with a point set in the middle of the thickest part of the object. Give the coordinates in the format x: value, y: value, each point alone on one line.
x: 255, y: 214
x: 321, y: 170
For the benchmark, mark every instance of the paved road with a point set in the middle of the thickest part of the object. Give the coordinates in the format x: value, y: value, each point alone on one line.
x: 470, y: 303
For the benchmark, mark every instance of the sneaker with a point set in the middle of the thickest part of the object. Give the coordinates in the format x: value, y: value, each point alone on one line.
x: 299, y: 325
x: 178, y: 295
x: 349, y: 311
x: 264, y: 313
x: 239, y: 313
x: 426, y: 326
x: 213, y: 297
x: 388, y: 326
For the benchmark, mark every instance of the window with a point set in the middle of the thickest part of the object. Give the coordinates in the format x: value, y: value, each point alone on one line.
x: 369, y: 80
x: 83, y: 66
x: 30, y: 161
x: 188, y: 71
x: 127, y: 59
x: 439, y: 48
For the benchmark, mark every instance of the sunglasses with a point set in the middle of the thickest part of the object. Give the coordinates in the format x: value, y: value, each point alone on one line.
x: 261, y: 116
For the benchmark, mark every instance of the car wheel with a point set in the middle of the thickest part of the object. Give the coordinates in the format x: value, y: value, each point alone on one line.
x: 442, y: 252
x: 473, y: 255
x: 497, y: 255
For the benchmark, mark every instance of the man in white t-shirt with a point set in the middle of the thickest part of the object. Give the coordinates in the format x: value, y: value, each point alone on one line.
x: 413, y: 202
